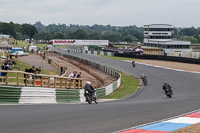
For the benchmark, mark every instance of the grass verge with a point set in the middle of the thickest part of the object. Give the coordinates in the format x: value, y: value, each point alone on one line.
x: 119, y: 58
x: 128, y: 86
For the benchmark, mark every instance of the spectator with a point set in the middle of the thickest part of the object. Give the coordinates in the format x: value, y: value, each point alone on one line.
x: 75, y: 72
x: 30, y: 70
x: 10, y: 56
x: 61, y: 70
x: 6, y: 61
x: 37, y: 77
x: 4, y: 67
x: 78, y: 76
x: 71, y: 75
x: 37, y: 71
x: 16, y: 56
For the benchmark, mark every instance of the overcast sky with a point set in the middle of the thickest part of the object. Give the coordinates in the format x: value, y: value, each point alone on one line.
x: 180, y: 13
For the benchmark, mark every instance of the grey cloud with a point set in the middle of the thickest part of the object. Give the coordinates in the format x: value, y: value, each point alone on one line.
x: 114, y: 12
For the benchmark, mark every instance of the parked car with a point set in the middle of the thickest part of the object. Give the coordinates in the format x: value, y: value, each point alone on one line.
x: 19, y: 53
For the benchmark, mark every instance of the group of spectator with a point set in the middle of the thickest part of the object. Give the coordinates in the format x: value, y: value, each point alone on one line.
x: 32, y: 70
x: 75, y: 75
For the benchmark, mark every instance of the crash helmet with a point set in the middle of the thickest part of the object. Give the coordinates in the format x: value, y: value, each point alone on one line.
x: 165, y: 82
x: 88, y: 82
x: 142, y: 74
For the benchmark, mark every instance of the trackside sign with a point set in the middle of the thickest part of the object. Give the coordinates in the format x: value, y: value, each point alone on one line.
x: 79, y: 42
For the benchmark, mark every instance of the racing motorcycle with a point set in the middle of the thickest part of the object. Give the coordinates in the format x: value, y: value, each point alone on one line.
x: 91, y: 97
x: 133, y: 64
x: 169, y: 93
x: 145, y: 81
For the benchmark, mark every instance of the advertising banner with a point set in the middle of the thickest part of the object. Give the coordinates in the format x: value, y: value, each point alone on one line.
x: 80, y: 42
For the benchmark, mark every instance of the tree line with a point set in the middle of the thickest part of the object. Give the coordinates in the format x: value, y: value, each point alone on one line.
x: 130, y: 34
x: 95, y: 32
x: 18, y: 31
x: 189, y: 34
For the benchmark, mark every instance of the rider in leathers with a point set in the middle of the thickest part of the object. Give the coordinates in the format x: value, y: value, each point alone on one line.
x: 166, y: 87
x: 88, y: 87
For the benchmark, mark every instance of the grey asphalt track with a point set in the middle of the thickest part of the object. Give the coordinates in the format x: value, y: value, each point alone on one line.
x: 148, y: 105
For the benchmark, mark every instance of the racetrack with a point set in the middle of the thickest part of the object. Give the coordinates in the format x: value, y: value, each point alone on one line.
x: 149, y: 104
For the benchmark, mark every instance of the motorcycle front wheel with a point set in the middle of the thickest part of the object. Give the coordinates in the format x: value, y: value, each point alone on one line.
x: 88, y: 99
x: 96, y: 101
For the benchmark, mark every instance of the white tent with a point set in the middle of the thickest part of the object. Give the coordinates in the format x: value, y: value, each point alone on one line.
x: 33, y: 47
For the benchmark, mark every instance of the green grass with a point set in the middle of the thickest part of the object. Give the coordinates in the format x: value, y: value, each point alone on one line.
x: 119, y: 58
x: 128, y: 86
x: 62, y: 46
x: 22, y: 44
x: 41, y: 46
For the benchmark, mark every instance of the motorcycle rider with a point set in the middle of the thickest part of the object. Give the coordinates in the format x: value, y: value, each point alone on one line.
x: 89, y: 88
x: 167, y: 87
x: 143, y: 77
x: 133, y: 63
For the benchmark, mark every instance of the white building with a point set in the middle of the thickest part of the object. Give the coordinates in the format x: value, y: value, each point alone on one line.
x: 161, y: 36
x: 4, y: 36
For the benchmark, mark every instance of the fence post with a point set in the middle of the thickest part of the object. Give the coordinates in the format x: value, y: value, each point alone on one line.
x: 48, y: 82
x: 66, y: 80
x: 6, y: 78
x: 17, y: 79
x: 41, y: 81
x: 33, y: 80
x: 60, y: 82
x: 55, y: 83
x: 26, y: 80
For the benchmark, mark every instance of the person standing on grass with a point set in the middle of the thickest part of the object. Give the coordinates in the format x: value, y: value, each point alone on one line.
x: 4, y: 67
x: 6, y: 61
